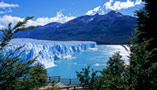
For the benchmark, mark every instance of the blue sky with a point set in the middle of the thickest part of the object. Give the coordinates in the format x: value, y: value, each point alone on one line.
x: 46, y: 11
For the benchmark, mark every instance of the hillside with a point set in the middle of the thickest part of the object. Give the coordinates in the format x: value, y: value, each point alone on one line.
x: 111, y: 28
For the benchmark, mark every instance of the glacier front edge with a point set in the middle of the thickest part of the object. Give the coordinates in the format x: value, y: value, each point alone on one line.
x: 48, y: 51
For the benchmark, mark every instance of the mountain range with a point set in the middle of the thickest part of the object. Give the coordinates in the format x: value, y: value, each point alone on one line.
x: 110, y: 28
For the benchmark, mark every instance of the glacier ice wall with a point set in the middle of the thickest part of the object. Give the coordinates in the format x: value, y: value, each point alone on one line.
x: 48, y: 51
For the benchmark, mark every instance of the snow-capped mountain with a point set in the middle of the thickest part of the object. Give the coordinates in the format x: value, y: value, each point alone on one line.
x: 111, y: 28
x: 48, y: 51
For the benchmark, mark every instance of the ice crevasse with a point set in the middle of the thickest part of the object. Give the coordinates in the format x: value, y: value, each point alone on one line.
x: 48, y: 51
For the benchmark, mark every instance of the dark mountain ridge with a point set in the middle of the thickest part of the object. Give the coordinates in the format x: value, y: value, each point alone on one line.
x: 111, y: 28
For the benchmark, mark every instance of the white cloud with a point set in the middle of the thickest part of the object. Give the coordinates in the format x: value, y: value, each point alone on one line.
x: 93, y: 11
x: 2, y: 26
x: 113, y: 5
x: 138, y: 2
x: 6, y: 19
x: 118, y: 5
x: 4, y: 5
x: 2, y: 12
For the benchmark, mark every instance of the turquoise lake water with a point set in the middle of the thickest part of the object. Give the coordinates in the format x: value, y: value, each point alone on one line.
x: 97, y: 58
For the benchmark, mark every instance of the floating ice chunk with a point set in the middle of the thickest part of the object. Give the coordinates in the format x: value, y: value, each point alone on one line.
x: 93, y: 49
x: 97, y: 64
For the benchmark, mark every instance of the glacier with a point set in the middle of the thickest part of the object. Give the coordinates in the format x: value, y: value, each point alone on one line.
x: 48, y: 51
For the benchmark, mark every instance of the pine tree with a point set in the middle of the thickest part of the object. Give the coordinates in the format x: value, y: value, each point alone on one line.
x: 114, y: 74
x: 17, y: 73
x: 143, y: 63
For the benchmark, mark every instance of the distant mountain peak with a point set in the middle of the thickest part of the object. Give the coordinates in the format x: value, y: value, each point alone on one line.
x: 110, y: 28
x: 53, y: 24
x: 96, y: 14
x: 114, y: 13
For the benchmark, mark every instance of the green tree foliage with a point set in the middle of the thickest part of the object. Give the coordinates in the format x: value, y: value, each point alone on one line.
x: 140, y: 74
x: 17, y: 73
x: 114, y: 75
x: 88, y: 78
x: 143, y: 63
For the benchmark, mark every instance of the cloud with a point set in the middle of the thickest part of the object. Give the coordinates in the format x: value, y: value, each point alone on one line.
x: 93, y: 11
x: 2, y: 26
x: 138, y: 2
x: 60, y: 17
x: 2, y: 12
x: 118, y: 5
x: 4, y: 5
x: 5, y: 20
x: 113, y: 5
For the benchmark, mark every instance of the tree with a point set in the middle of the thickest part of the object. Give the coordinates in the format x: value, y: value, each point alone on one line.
x: 89, y: 80
x: 114, y: 75
x: 143, y: 63
x: 17, y: 73
x: 140, y: 74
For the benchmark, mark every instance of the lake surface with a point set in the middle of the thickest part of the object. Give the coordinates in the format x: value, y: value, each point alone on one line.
x: 97, y: 58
